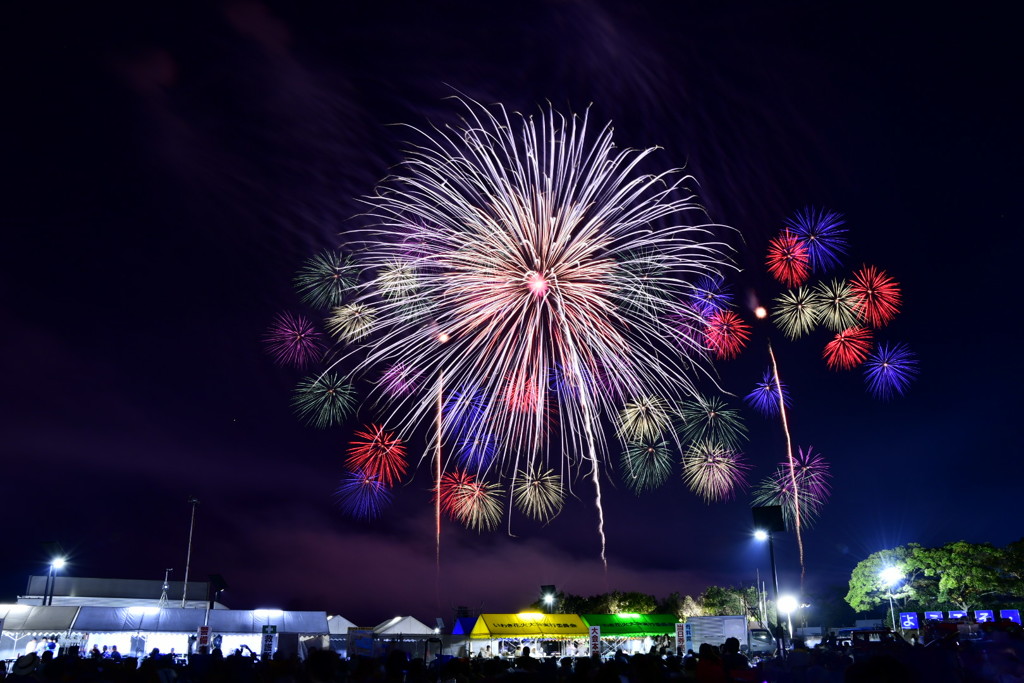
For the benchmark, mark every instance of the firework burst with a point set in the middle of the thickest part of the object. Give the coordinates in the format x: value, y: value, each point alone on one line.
x: 877, y: 296
x: 889, y: 371
x: 362, y: 495
x: 837, y: 306
x: 726, y: 334
x: 379, y: 452
x: 323, y: 400
x: 797, y: 311
x: 537, y: 245
x: 813, y: 485
x: 350, y: 322
x: 713, y: 471
x: 765, y: 396
x: 823, y: 233
x: 292, y: 340
x: 710, y: 294
x: 477, y: 504
x: 323, y: 279
x: 646, y: 464
x: 787, y: 259
x: 710, y: 419
x: 848, y: 349
x: 644, y: 418
x: 538, y: 493
x: 477, y: 450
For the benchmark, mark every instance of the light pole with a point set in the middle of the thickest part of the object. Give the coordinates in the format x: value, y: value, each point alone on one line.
x: 787, y: 604
x: 194, y: 502
x: 890, y: 576
x: 56, y: 564
x: 763, y: 535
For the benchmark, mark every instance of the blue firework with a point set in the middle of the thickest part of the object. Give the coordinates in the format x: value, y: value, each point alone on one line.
x: 889, y: 371
x: 463, y: 411
x: 362, y: 495
x: 823, y: 234
x: 477, y: 450
x: 711, y: 294
x: 765, y: 396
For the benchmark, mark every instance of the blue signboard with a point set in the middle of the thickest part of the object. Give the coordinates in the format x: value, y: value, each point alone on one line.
x: 908, y: 620
x: 983, y: 615
x: 1011, y: 614
x: 933, y: 616
x: 957, y: 614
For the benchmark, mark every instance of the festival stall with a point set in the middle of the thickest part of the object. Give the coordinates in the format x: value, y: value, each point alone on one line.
x: 546, y: 634
x: 632, y: 633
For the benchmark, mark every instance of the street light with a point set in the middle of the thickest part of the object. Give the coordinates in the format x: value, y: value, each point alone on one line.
x: 787, y: 604
x: 890, y: 576
x: 763, y: 535
x: 56, y: 564
x: 549, y: 600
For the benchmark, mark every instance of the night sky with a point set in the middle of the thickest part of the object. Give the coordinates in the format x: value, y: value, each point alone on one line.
x: 168, y: 167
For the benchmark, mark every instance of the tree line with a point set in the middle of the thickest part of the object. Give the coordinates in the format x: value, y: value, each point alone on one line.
x: 957, y: 575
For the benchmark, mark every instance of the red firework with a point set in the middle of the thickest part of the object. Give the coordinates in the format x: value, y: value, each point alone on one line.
x: 452, y: 490
x: 877, y: 294
x: 726, y: 334
x: 521, y: 393
x: 849, y: 349
x: 787, y: 260
x: 378, y: 452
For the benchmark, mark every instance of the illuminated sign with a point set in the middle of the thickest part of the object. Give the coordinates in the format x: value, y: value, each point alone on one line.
x: 933, y: 616
x: 983, y: 615
x: 1011, y: 614
x: 908, y: 620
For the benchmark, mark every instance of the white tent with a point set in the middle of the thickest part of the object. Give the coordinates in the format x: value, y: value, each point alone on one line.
x: 338, y: 625
x: 402, y: 626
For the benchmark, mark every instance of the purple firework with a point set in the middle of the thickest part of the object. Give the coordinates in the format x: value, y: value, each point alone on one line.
x: 399, y: 379
x: 823, y: 234
x: 889, y: 370
x: 362, y: 495
x: 813, y: 486
x: 765, y: 396
x: 292, y: 340
x: 711, y: 294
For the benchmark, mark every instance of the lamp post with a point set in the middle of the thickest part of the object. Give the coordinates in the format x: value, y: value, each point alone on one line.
x: 56, y: 564
x: 763, y: 535
x: 890, y: 576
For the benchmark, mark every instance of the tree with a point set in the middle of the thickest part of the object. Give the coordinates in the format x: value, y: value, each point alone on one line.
x: 868, y: 590
x: 966, y: 572
x: 721, y: 601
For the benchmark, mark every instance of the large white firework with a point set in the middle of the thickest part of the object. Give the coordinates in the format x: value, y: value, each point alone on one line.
x: 548, y: 272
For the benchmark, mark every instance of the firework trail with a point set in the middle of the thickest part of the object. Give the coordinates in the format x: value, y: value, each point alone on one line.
x: 537, y: 250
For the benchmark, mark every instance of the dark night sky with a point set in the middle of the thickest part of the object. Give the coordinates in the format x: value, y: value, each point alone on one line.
x: 167, y: 167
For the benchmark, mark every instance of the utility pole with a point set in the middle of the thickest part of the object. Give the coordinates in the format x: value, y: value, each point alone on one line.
x: 194, y: 502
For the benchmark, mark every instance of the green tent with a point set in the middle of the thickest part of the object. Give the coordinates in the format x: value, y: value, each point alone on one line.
x: 632, y: 625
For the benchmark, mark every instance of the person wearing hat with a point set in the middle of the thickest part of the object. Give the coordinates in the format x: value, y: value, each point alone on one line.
x: 25, y: 666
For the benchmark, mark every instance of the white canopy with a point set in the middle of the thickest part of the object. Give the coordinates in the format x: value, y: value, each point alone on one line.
x: 339, y: 625
x: 402, y: 626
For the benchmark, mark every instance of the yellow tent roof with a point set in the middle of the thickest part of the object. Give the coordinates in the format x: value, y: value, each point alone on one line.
x: 529, y: 625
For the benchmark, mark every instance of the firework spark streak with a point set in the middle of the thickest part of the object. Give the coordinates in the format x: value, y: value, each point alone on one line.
x: 790, y: 460
x: 537, y: 245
